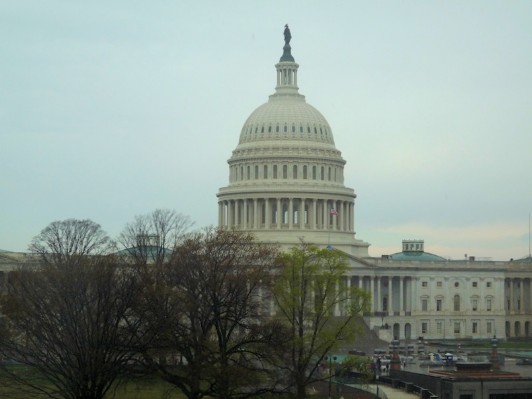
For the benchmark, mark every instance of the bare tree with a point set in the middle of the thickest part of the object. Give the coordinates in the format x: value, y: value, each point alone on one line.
x: 317, y: 308
x: 67, y: 318
x: 67, y: 241
x: 150, y: 238
x: 212, y: 328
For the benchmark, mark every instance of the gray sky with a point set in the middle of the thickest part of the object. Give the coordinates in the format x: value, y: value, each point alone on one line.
x: 111, y: 109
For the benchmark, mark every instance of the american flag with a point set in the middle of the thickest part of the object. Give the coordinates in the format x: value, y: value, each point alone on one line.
x: 333, y: 211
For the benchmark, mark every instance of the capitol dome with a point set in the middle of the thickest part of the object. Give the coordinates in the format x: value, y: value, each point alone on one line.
x: 286, y: 180
x: 286, y: 118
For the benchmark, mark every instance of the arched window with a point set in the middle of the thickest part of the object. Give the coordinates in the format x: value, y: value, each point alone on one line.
x: 285, y: 171
x: 256, y: 171
x: 304, y: 171
x: 275, y: 171
x: 456, y: 301
x: 294, y: 172
x: 265, y: 172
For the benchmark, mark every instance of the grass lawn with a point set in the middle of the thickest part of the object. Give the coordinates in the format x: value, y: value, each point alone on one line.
x: 141, y: 388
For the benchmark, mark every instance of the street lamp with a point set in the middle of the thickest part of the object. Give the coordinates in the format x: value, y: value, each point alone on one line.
x: 331, y: 360
x: 395, y: 363
x: 494, y: 354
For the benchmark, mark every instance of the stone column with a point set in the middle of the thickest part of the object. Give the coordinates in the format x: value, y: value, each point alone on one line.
x: 230, y: 220
x: 301, y: 213
x: 245, y: 218
x: 353, y: 216
x: 221, y: 214
x: 378, y: 282
x: 325, y: 215
x: 401, y: 296
x: 279, y: 211
x: 522, y: 296
x: 255, y: 213
x: 290, y: 213
x: 314, y: 213
x: 390, y: 295
x: 267, y: 213
x: 372, y: 290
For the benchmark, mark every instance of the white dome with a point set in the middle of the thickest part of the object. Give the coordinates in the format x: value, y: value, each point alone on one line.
x: 286, y: 118
x: 286, y: 176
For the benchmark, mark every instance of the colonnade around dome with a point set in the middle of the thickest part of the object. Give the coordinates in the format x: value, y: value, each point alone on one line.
x: 279, y: 213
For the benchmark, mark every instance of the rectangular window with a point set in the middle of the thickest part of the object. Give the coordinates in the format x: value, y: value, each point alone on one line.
x: 424, y: 284
x: 439, y: 284
x: 475, y: 284
x: 457, y: 327
x: 424, y: 327
x: 474, y: 304
x: 488, y: 327
x: 474, y: 327
x: 424, y: 305
x: 488, y: 284
x: 488, y: 304
x: 439, y: 327
x: 438, y: 305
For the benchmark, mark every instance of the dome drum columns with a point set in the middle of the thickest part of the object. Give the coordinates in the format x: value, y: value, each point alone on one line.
x: 287, y: 213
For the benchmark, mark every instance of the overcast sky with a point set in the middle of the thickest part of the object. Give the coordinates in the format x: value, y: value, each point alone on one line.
x: 111, y: 109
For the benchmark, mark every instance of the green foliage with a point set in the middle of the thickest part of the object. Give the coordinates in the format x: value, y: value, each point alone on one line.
x: 317, y: 308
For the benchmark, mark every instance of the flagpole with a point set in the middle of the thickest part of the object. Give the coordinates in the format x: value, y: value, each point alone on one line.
x: 333, y: 213
x: 529, y: 254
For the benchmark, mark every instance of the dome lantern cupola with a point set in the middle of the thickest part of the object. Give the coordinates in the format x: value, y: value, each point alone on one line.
x: 287, y: 68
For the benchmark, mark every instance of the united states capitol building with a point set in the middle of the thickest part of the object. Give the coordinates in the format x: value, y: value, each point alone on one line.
x: 286, y: 184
